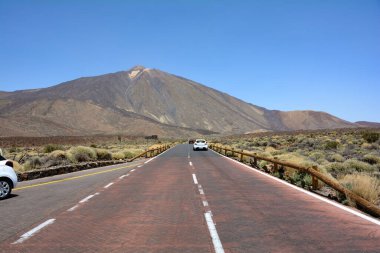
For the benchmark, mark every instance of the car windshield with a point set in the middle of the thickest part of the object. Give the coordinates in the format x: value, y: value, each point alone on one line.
x: 201, y: 141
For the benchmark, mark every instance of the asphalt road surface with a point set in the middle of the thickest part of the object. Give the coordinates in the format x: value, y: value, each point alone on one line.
x: 180, y: 201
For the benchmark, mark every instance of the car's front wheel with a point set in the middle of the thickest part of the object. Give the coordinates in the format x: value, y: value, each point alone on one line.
x: 5, y: 188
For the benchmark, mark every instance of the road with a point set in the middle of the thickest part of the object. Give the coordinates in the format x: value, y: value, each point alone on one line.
x: 180, y: 201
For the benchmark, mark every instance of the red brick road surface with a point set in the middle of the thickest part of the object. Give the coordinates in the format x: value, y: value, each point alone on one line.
x: 159, y: 208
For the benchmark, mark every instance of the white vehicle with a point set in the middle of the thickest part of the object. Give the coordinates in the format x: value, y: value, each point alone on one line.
x: 8, y: 178
x: 200, y: 144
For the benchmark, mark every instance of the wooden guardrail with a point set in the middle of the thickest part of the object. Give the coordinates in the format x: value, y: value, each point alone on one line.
x: 313, y: 171
x: 151, y: 152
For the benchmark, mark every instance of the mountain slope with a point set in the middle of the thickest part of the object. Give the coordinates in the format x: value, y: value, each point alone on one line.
x: 143, y: 101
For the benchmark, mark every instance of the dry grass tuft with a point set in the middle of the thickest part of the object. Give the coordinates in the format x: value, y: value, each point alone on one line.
x: 364, y: 185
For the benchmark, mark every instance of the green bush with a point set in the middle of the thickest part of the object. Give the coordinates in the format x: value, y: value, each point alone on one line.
x: 331, y: 145
x: 350, y: 166
x: 371, y: 137
x: 316, y: 155
x: 336, y: 158
x: 129, y: 154
x: 58, y: 154
x: 32, y: 163
x: 103, y: 154
x: 81, y: 154
x: 371, y: 159
x: 118, y: 156
x: 51, y: 147
x: 359, y: 166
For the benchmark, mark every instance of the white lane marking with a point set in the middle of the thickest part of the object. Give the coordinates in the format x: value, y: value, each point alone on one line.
x: 87, y: 198
x: 149, y: 161
x: 108, y: 185
x: 123, y: 176
x: 35, y: 230
x: 205, y: 203
x: 73, y: 208
x: 139, y: 166
x: 195, y: 179
x: 201, y: 192
x: 133, y: 170
x: 214, y: 234
x: 190, y: 163
x: 344, y: 208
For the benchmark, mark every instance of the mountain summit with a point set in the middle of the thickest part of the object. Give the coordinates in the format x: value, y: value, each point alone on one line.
x: 143, y: 101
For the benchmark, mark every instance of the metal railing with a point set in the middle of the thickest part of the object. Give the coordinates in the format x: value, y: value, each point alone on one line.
x: 313, y: 171
x: 151, y: 152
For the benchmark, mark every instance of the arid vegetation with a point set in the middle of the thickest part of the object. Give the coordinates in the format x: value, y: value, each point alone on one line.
x: 350, y: 156
x: 71, y: 150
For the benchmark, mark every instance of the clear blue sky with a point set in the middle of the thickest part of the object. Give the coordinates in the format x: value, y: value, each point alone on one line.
x: 286, y: 55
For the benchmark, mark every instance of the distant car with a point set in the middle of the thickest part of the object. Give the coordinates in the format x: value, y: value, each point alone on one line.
x: 191, y: 141
x: 200, y: 144
x: 8, y: 178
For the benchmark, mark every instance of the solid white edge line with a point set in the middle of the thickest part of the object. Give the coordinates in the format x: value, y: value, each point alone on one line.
x: 148, y: 161
x: 35, y: 230
x: 159, y: 155
x: 87, y: 198
x: 218, y: 247
x: 340, y: 206
x: 73, y: 208
x: 195, y: 179
x: 108, y: 185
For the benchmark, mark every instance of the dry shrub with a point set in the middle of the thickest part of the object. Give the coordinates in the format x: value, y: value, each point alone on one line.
x: 336, y: 158
x: 51, y: 147
x: 364, y: 185
x: 371, y: 159
x: 103, y: 154
x: 58, y: 154
x: 81, y: 154
x: 32, y: 164
x: 118, y: 156
x: 130, y: 153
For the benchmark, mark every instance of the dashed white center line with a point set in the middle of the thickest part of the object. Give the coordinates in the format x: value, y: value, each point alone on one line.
x: 123, y: 176
x: 139, y: 166
x: 195, y: 179
x: 35, y: 230
x: 87, y: 198
x: 218, y: 247
x: 108, y: 185
x: 73, y: 208
x: 190, y: 163
x: 133, y: 170
x: 214, y: 234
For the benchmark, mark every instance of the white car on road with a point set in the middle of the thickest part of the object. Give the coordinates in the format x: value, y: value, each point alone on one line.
x: 8, y: 178
x: 200, y: 144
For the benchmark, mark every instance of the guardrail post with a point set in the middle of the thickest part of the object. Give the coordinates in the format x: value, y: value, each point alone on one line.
x: 255, y: 159
x: 233, y: 152
x: 275, y: 167
x: 225, y: 151
x: 314, y: 179
x: 241, y: 156
x: 146, y: 154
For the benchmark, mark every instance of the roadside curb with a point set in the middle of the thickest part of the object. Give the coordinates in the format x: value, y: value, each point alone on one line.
x: 58, y: 170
